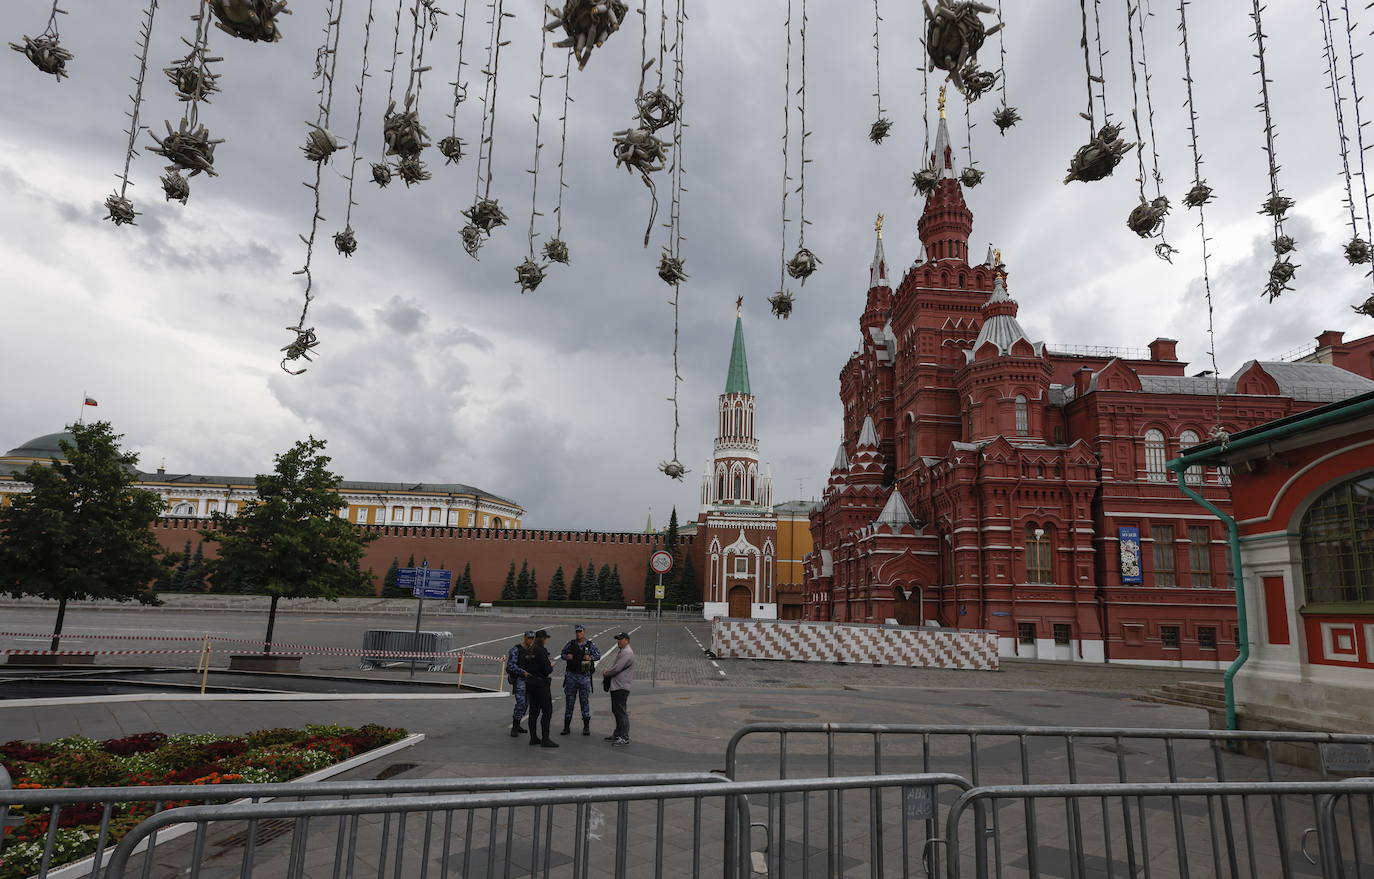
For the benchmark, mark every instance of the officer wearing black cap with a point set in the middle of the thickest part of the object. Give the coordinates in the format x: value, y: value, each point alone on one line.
x: 618, y: 679
x: 537, y: 686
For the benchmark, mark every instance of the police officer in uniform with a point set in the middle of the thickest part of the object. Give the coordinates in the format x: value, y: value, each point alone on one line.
x: 538, y: 685
x: 581, y: 655
x: 516, y: 660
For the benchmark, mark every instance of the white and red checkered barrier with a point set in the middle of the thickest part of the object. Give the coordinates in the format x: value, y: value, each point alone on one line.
x: 858, y: 643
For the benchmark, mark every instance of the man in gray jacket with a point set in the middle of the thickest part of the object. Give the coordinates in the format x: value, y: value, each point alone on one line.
x: 620, y: 678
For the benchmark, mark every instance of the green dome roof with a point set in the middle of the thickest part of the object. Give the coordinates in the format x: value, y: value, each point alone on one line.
x: 46, y: 446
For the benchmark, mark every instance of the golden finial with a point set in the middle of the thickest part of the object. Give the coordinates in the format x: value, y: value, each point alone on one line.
x: 942, y: 102
x: 997, y: 257
x: 878, y: 225
x: 739, y: 305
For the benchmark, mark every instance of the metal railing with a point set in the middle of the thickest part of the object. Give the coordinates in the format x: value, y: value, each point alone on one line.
x: 1163, y: 831
x: 378, y: 643
x: 323, y: 793
x: 656, y: 830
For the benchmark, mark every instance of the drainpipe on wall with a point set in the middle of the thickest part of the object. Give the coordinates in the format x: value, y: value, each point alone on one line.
x: 1242, y: 629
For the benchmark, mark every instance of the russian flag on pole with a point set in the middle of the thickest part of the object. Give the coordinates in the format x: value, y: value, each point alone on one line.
x: 90, y: 401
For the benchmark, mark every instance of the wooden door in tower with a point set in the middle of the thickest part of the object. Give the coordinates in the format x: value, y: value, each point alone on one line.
x: 740, y: 608
x: 907, y: 611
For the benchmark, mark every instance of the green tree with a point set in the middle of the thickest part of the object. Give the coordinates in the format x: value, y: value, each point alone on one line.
x: 410, y: 563
x: 83, y: 531
x: 508, y: 591
x: 688, y: 590
x: 522, y: 582
x: 183, y: 568
x: 389, y: 580
x: 603, y: 583
x: 532, y: 591
x: 558, y: 590
x: 290, y: 542
x: 195, y: 580
x: 464, y: 586
x: 575, y: 590
x: 614, y: 591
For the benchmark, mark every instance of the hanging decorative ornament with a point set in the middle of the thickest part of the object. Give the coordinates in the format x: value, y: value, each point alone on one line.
x: 1005, y: 117
x: 451, y: 148
x: 1145, y: 218
x: 45, y: 50
x: 381, y: 174
x: 925, y: 181
x: 345, y: 242
x: 1365, y: 308
x: 977, y: 82
x: 411, y: 170
x: 880, y: 129
x: 781, y: 303
x: 954, y: 34
x: 671, y: 269
x: 252, y: 20
x: 1284, y: 244
x: 556, y: 250
x: 587, y: 23
x: 673, y: 469
x: 188, y: 149
x: 1357, y: 252
x: 1280, y: 274
x: 528, y: 275
x: 971, y: 177
x: 1099, y: 157
x: 1276, y: 206
x: 320, y: 144
x: 299, y: 349
x: 402, y: 132
x: 803, y: 265
x: 121, y: 209
x: 1199, y: 195
x: 175, y: 187
x: 193, y: 81
x: 472, y: 239
x: 486, y: 215
x: 656, y: 110
x: 639, y: 149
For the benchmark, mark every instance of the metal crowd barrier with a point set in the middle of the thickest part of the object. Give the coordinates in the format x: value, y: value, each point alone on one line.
x: 1134, y: 830
x: 659, y: 830
x: 322, y: 793
x: 378, y: 642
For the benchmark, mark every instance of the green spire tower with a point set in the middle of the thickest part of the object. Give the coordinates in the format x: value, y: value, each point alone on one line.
x: 737, y: 379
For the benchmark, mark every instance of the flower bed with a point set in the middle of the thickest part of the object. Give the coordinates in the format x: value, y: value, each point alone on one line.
x: 264, y: 756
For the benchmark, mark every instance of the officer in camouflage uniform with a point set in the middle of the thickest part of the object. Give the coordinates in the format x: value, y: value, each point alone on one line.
x: 581, y: 655
x: 517, y: 660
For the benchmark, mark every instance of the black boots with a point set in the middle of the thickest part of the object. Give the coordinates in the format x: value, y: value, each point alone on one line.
x: 586, y: 726
x: 567, y: 728
x: 516, y: 729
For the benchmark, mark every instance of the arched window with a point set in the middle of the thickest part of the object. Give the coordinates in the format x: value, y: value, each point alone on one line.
x: 183, y: 509
x: 739, y: 485
x: 1022, y: 418
x: 720, y: 485
x: 1039, y: 558
x: 1154, y: 456
x: 1187, y: 440
x: 1338, y: 544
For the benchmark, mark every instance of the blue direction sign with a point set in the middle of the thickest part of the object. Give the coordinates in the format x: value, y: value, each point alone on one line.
x: 424, y: 583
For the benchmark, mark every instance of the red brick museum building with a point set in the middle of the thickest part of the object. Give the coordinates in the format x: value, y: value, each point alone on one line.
x: 985, y: 480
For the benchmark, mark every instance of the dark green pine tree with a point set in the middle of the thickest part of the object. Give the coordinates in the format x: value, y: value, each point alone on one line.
x: 508, y: 590
x: 603, y: 583
x: 389, y: 579
x: 591, y: 584
x: 687, y: 584
x: 83, y: 531
x: 672, y: 589
x: 183, y: 569
x: 411, y: 562
x: 522, y: 582
x: 575, y: 590
x: 614, y: 591
x: 195, y: 580
x: 464, y: 584
x: 532, y: 591
x: 558, y: 591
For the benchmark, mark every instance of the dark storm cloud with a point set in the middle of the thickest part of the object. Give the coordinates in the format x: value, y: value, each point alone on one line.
x: 560, y: 393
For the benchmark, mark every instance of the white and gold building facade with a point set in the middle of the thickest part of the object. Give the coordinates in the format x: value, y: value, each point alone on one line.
x: 191, y: 495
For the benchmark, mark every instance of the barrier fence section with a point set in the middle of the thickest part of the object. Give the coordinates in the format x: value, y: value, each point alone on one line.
x: 1163, y: 831
x: 620, y: 832
x: 47, y: 805
x: 854, y: 642
x: 1039, y: 756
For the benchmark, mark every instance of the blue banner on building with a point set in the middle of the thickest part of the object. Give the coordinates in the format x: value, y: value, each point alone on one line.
x: 1129, y: 537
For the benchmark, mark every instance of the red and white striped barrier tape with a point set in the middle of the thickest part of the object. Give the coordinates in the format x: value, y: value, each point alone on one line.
x: 369, y: 654
x: 295, y: 649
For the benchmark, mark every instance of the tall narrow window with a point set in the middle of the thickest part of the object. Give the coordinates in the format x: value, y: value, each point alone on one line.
x: 1022, y: 417
x: 1200, y: 555
x: 1223, y: 475
x: 739, y: 486
x: 1154, y: 456
x: 1165, y: 571
x: 1187, y: 440
x: 1039, y: 567
x: 1337, y: 554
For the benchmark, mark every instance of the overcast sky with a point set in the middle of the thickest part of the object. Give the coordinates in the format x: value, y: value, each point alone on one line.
x: 433, y: 367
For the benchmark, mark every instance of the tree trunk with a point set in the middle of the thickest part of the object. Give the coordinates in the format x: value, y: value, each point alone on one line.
x: 271, y: 624
x: 57, y: 627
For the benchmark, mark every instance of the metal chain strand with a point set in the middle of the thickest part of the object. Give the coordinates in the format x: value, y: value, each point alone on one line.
x: 484, y: 142
x: 877, y: 61
x: 1277, y: 205
x: 1002, y: 53
x: 563, y: 147
x: 1324, y: 19
x: 786, y: 143
x: 395, y: 55
x: 358, y: 120
x: 675, y: 219
x: 1218, y: 432
x: 1087, y: 68
x: 121, y: 210
x: 802, y: 222
x: 1359, y: 133
x: 538, y: 146
x: 925, y: 97
x: 1132, y: 10
x: 460, y: 88
x: 501, y: 16
x: 1101, y: 62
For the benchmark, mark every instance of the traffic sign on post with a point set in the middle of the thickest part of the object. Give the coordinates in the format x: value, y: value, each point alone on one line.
x: 661, y: 562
